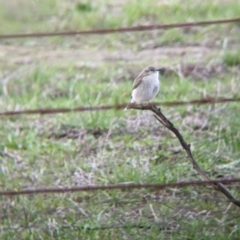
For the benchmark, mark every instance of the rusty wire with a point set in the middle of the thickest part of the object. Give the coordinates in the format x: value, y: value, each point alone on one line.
x: 124, y: 29
x: 116, y: 107
x: 116, y: 187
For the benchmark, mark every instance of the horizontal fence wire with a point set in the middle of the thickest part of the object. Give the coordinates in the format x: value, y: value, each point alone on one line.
x: 123, y: 186
x: 117, y: 106
x: 124, y: 29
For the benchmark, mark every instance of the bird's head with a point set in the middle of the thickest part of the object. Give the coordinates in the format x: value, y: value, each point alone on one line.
x: 151, y: 70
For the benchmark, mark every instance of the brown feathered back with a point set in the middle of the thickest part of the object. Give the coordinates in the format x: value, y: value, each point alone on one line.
x: 145, y: 72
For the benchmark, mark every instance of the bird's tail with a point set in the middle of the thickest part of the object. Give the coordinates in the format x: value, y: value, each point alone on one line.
x: 129, y: 106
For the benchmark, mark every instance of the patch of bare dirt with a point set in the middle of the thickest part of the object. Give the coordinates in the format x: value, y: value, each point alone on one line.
x: 202, y: 71
x: 21, y: 55
x: 196, y: 120
x: 75, y: 133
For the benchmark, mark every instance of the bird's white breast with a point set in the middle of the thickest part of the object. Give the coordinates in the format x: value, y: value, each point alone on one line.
x: 147, y: 89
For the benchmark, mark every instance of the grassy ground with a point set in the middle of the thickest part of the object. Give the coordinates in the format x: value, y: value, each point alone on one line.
x: 111, y: 147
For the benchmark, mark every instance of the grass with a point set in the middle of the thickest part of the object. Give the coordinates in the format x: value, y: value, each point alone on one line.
x: 231, y: 59
x: 60, y: 15
x: 111, y: 147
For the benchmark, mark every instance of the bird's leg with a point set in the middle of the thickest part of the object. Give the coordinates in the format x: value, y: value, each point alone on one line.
x: 150, y: 104
x: 131, y: 105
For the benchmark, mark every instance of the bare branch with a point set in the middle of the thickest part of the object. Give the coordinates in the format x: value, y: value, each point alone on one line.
x: 187, y: 147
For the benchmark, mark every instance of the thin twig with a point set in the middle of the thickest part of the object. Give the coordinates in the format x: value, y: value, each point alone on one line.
x: 187, y: 147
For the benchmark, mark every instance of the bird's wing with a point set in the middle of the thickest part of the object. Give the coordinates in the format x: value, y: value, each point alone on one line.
x: 137, y: 81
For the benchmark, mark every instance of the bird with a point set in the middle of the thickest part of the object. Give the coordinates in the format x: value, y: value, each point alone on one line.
x: 145, y: 87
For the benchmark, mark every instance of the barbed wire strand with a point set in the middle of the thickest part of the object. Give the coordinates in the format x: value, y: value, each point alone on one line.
x: 117, y: 106
x: 124, y: 29
x: 123, y: 186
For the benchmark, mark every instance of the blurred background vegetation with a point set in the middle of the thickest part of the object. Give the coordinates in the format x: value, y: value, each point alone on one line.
x: 111, y: 147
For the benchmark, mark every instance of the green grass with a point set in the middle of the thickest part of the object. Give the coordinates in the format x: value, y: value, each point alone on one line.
x: 25, y: 16
x: 231, y: 59
x: 59, y: 15
x: 111, y: 147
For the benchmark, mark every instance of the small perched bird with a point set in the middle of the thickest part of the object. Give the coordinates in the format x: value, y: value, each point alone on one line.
x: 145, y: 86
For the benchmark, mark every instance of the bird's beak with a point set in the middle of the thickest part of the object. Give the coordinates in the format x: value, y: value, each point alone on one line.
x: 161, y: 70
